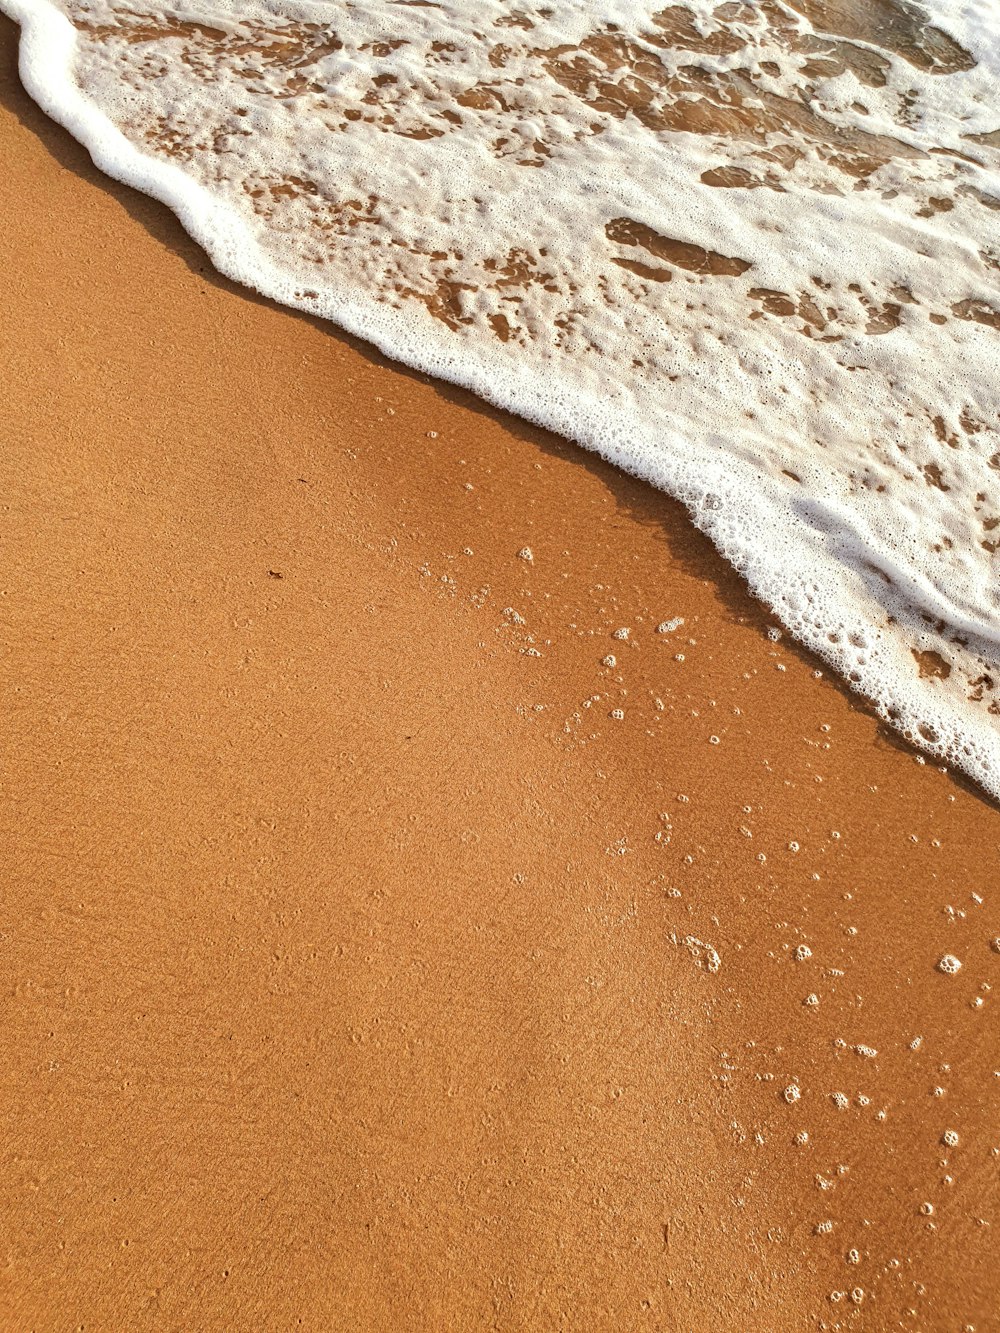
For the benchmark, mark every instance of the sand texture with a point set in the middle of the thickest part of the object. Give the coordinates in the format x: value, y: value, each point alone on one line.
x: 361, y: 969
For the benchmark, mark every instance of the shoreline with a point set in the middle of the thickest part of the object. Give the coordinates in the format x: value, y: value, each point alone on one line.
x: 346, y: 943
x: 871, y: 644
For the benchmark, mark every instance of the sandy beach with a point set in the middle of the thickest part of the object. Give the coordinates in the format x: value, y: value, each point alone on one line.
x: 401, y: 931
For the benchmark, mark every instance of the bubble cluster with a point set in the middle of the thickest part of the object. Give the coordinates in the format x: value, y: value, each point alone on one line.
x: 706, y: 955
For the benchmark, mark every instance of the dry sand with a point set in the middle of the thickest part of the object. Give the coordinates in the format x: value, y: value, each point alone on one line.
x: 345, y: 983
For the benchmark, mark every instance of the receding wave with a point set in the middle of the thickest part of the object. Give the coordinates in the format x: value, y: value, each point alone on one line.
x: 749, y: 252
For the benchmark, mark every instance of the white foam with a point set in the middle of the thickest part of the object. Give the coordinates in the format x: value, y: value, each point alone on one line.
x: 756, y: 266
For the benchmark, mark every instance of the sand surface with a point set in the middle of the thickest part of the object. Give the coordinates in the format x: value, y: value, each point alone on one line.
x: 361, y: 970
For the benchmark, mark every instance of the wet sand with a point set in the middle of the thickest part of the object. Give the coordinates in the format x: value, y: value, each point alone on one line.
x: 361, y: 968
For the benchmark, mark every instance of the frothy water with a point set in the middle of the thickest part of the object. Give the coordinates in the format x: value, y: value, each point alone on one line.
x: 749, y: 252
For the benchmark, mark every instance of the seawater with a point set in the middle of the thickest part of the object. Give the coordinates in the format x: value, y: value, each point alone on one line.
x: 749, y: 252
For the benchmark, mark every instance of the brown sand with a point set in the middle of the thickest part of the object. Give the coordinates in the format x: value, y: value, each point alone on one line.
x: 345, y: 982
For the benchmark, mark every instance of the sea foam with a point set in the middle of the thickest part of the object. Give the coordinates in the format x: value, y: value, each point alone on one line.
x: 749, y: 252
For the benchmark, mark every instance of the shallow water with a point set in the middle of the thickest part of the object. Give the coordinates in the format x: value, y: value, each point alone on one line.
x: 750, y: 252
